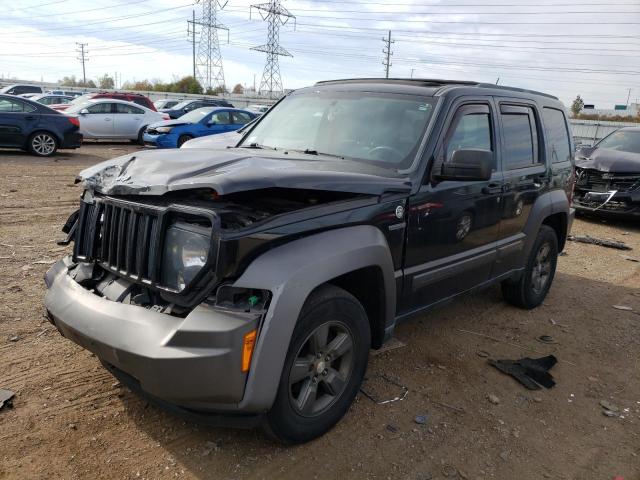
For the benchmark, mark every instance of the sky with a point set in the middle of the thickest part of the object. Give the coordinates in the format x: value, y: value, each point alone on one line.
x: 562, y: 47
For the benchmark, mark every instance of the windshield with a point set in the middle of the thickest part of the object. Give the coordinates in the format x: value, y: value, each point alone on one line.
x: 379, y: 128
x: 76, y: 107
x: 181, y: 105
x: 194, y: 116
x: 623, y: 140
x: 81, y: 99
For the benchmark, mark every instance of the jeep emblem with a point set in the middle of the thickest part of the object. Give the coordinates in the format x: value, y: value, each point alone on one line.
x: 399, y: 212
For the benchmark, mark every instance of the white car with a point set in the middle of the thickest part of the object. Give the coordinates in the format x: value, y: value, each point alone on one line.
x: 110, y: 118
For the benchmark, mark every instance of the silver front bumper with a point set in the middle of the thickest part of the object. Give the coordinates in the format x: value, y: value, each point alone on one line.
x: 194, y: 362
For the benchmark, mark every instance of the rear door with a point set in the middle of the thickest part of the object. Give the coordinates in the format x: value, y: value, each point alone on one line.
x: 219, y: 122
x: 127, y: 120
x: 17, y: 120
x: 525, y: 175
x: 239, y: 119
x: 98, y: 123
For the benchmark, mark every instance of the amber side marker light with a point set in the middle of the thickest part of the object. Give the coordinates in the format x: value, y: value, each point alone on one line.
x: 249, y: 341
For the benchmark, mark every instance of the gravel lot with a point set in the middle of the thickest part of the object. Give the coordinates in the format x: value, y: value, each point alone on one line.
x: 71, y: 419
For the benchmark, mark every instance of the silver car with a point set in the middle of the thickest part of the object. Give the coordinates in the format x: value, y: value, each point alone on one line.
x: 110, y: 118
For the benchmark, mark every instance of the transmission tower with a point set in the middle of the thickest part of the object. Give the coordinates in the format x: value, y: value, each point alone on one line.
x: 209, y: 71
x: 276, y: 15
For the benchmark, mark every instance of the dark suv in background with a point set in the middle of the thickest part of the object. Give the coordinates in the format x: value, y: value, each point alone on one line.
x: 185, y: 106
x: 246, y: 285
x: 127, y: 97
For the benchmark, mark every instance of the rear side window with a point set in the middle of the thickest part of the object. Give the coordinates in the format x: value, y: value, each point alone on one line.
x: 220, y: 118
x: 557, y: 133
x: 520, y: 137
x: 241, y: 118
x: 122, y: 108
x: 15, y: 106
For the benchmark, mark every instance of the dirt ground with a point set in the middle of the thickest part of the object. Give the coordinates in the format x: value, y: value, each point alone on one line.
x: 71, y: 419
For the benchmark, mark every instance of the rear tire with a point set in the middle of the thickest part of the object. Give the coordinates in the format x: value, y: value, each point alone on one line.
x: 183, y: 138
x: 42, y: 144
x: 531, y: 289
x: 324, y: 367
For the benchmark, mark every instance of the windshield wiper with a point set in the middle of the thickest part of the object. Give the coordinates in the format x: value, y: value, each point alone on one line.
x: 308, y: 151
x: 257, y: 146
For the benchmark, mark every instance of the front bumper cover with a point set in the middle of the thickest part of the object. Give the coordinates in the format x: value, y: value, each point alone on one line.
x: 192, y: 362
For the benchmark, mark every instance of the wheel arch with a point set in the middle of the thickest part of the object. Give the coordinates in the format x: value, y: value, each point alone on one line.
x: 44, y: 130
x: 552, y: 209
x: 292, y: 272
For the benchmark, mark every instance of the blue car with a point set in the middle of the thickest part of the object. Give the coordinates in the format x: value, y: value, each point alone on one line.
x: 197, y: 123
x: 35, y: 127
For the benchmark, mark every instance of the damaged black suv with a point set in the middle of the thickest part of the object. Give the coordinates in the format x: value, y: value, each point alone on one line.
x: 246, y: 285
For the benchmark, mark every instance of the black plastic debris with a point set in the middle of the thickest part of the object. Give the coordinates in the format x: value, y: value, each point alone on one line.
x: 530, y: 372
x: 6, y: 397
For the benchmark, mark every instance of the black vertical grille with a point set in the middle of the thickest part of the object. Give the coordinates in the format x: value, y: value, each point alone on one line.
x: 123, y: 238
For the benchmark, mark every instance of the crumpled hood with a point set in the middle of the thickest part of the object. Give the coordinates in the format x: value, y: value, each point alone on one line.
x: 156, y: 172
x: 167, y: 123
x: 614, y: 161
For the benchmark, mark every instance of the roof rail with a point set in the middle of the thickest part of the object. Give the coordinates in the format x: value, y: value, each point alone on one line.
x: 424, y: 81
x: 435, y: 82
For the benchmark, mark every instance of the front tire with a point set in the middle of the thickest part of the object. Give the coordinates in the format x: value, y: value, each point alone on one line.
x: 531, y: 289
x: 183, y: 138
x: 324, y: 367
x: 140, y: 139
x: 43, y: 144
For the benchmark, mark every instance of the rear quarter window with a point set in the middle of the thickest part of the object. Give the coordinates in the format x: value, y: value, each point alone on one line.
x: 557, y: 133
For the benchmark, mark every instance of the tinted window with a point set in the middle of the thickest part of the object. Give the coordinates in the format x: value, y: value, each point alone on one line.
x: 15, y: 106
x: 518, y: 133
x: 241, y: 118
x: 100, y: 108
x: 472, y: 131
x: 139, y: 101
x: 220, y: 118
x: 193, y: 106
x: 555, y: 126
x: 122, y: 108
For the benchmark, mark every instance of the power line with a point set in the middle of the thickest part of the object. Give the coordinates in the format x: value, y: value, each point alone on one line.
x: 83, y: 59
x: 387, y: 51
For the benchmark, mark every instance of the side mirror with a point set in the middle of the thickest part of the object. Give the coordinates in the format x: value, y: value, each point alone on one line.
x: 84, y: 111
x: 468, y: 165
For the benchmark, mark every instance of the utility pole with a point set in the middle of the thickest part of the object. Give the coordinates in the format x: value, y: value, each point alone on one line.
x: 276, y: 15
x: 387, y: 51
x: 191, y: 30
x: 412, y: 72
x: 628, y: 96
x: 209, y: 71
x: 80, y: 49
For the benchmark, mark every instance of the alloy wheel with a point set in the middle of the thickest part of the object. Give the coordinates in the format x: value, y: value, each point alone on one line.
x: 321, y: 369
x: 541, y: 271
x: 43, y: 144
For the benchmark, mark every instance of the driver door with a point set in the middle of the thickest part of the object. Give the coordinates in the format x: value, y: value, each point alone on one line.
x: 218, y: 122
x: 453, y: 225
x: 98, y: 122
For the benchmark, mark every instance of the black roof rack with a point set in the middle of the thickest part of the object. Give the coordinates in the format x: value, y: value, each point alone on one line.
x: 435, y: 82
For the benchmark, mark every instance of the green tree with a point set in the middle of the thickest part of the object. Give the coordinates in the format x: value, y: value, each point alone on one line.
x: 68, y: 81
x: 217, y: 91
x: 577, y: 106
x: 186, y: 85
x: 239, y: 89
x: 106, y: 81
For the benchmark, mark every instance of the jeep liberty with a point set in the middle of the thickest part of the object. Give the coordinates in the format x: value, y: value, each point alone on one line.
x: 246, y: 285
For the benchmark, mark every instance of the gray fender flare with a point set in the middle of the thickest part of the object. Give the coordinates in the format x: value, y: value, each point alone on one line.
x: 546, y: 204
x: 291, y: 272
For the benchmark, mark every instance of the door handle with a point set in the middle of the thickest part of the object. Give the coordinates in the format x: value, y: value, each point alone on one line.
x: 492, y: 188
x: 107, y: 119
x: 29, y: 117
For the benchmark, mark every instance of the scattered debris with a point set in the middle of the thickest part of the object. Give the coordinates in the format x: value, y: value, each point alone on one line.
x: 449, y: 471
x: 556, y: 324
x: 609, y: 413
x: 392, y: 428
x: 530, y: 372
x: 493, y: 399
x: 6, y: 398
x: 391, y: 344
x: 537, y: 399
x: 43, y: 262
x: 374, y: 397
x: 452, y: 407
x: 483, y: 353
x: 73, y: 426
x: 599, y: 241
x: 421, y: 419
x: 631, y: 259
x: 548, y: 339
x: 14, y: 338
x: 563, y: 254
x: 609, y: 406
x: 504, y: 456
x: 623, y: 307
